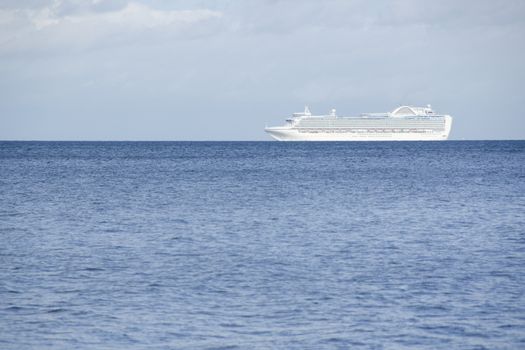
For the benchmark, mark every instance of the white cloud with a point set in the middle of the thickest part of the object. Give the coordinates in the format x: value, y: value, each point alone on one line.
x: 133, y: 15
x: 57, y: 25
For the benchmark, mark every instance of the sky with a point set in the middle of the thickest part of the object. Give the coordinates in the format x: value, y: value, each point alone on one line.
x: 223, y: 70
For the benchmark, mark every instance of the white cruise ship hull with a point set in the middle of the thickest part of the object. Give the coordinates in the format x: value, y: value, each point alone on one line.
x: 405, y: 123
x: 297, y: 134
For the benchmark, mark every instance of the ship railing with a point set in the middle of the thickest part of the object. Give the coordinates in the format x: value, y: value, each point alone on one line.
x: 375, y: 114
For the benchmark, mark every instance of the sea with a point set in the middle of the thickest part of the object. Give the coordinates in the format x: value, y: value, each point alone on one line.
x: 262, y: 245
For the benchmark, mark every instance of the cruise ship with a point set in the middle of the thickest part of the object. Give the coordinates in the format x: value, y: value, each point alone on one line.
x: 405, y: 123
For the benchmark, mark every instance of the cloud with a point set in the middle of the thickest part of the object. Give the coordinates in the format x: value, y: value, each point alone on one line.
x: 285, y: 17
x: 133, y: 15
x: 67, y: 24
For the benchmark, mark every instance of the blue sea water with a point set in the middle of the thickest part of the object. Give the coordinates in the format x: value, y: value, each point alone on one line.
x: 258, y: 245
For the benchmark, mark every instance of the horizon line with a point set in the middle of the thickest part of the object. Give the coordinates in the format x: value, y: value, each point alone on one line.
x: 138, y: 140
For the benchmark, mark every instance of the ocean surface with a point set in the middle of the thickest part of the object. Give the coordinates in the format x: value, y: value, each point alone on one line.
x: 262, y: 245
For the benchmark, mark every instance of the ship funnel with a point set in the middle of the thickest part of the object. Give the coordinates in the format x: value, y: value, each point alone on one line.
x: 307, y: 111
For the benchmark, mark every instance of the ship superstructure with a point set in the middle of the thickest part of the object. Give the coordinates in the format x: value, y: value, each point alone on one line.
x: 405, y: 123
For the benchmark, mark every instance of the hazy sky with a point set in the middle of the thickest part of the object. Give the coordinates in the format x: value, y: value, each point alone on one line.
x: 221, y: 70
